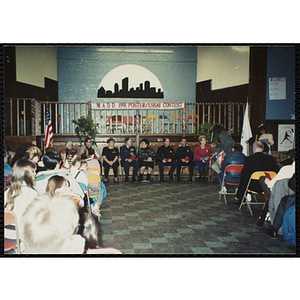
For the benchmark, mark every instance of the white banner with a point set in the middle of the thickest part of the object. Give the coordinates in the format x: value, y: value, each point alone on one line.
x: 137, y: 105
x: 277, y: 88
x: 286, y: 137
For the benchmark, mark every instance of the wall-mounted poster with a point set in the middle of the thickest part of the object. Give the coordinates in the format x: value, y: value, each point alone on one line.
x: 286, y: 137
x: 277, y: 88
x: 130, y: 81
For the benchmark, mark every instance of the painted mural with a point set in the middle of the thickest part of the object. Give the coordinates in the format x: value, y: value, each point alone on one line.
x: 130, y: 81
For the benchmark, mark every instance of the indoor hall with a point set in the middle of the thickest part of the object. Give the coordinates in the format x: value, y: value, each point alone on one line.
x: 179, y: 218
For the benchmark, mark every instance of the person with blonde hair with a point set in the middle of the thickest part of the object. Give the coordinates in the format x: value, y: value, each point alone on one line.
x: 64, y: 164
x: 20, y: 191
x: 60, y: 185
x: 49, y: 226
x: 76, y: 173
x: 202, y: 156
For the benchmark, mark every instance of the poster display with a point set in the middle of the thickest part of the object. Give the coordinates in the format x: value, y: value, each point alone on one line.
x: 277, y: 88
x: 286, y: 137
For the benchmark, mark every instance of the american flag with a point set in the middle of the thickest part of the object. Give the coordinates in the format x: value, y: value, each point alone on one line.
x: 48, y: 132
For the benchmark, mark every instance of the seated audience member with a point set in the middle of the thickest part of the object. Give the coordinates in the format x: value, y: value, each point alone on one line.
x: 93, y: 188
x: 60, y: 185
x: 256, y: 162
x: 128, y: 159
x: 21, y: 152
x: 290, y: 154
x: 89, y: 231
x: 202, y: 156
x: 20, y: 192
x: 7, y: 168
x: 90, y: 145
x: 184, y: 157
x: 166, y: 157
x: 236, y: 157
x: 51, y: 161
x: 285, y: 202
x: 11, y: 153
x: 64, y: 162
x: 146, y: 159
x: 69, y: 148
x: 76, y: 173
x: 285, y: 172
x: 224, y: 146
x: 110, y: 155
x: 50, y: 149
x: 89, y: 156
x: 266, y: 138
x: 49, y: 226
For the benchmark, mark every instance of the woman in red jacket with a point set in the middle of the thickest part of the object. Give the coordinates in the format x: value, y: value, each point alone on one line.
x: 202, y: 155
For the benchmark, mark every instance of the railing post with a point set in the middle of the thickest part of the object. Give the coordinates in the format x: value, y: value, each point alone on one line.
x: 33, y: 117
x: 229, y: 121
x: 137, y: 131
x: 89, y: 109
x: 183, y: 121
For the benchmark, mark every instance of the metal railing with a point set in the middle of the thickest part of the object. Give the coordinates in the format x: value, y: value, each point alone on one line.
x: 27, y: 116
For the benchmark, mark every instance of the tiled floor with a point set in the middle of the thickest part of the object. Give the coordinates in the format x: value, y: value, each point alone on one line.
x: 181, y: 218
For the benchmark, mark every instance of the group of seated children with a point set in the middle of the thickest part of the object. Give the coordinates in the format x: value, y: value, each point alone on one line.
x: 48, y: 198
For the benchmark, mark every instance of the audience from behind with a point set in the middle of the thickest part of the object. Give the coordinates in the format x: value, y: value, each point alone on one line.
x: 291, y: 155
x: 166, y: 157
x: 21, y: 152
x: 256, y: 162
x: 50, y: 149
x: 88, y: 144
x: 52, y: 163
x: 146, y: 159
x: 20, y: 191
x: 89, y: 156
x: 236, y: 157
x: 69, y: 148
x: 77, y: 174
x: 60, y: 185
x: 49, y: 226
x: 128, y: 159
x: 7, y: 168
x: 184, y: 157
x: 224, y: 146
x: 110, y: 155
x: 285, y: 172
x: 11, y: 153
x: 265, y: 137
x: 64, y: 162
x: 202, y: 157
x: 89, y: 231
x: 93, y: 189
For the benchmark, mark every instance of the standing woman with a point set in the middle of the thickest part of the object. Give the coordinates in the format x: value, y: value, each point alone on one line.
x: 202, y: 156
x: 110, y: 156
x: 20, y: 191
x: 146, y: 158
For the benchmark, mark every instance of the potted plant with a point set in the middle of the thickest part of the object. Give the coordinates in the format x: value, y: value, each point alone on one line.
x: 207, y: 130
x: 85, y: 128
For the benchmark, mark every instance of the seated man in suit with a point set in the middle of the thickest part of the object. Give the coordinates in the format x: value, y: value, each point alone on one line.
x: 128, y: 159
x: 185, y: 157
x: 236, y: 157
x: 256, y: 162
x: 165, y: 156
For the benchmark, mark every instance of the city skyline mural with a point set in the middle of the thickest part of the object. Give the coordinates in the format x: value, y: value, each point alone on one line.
x: 130, y: 81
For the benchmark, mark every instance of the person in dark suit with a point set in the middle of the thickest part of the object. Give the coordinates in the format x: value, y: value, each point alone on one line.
x: 165, y: 156
x: 256, y: 162
x: 128, y: 159
x: 185, y: 157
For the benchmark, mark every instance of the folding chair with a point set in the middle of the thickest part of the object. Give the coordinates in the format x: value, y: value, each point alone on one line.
x: 255, y: 176
x: 94, y: 179
x: 11, y: 232
x: 94, y: 170
x: 230, y: 169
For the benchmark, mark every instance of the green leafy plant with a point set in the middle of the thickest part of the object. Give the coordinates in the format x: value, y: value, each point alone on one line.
x: 207, y: 130
x: 85, y: 127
